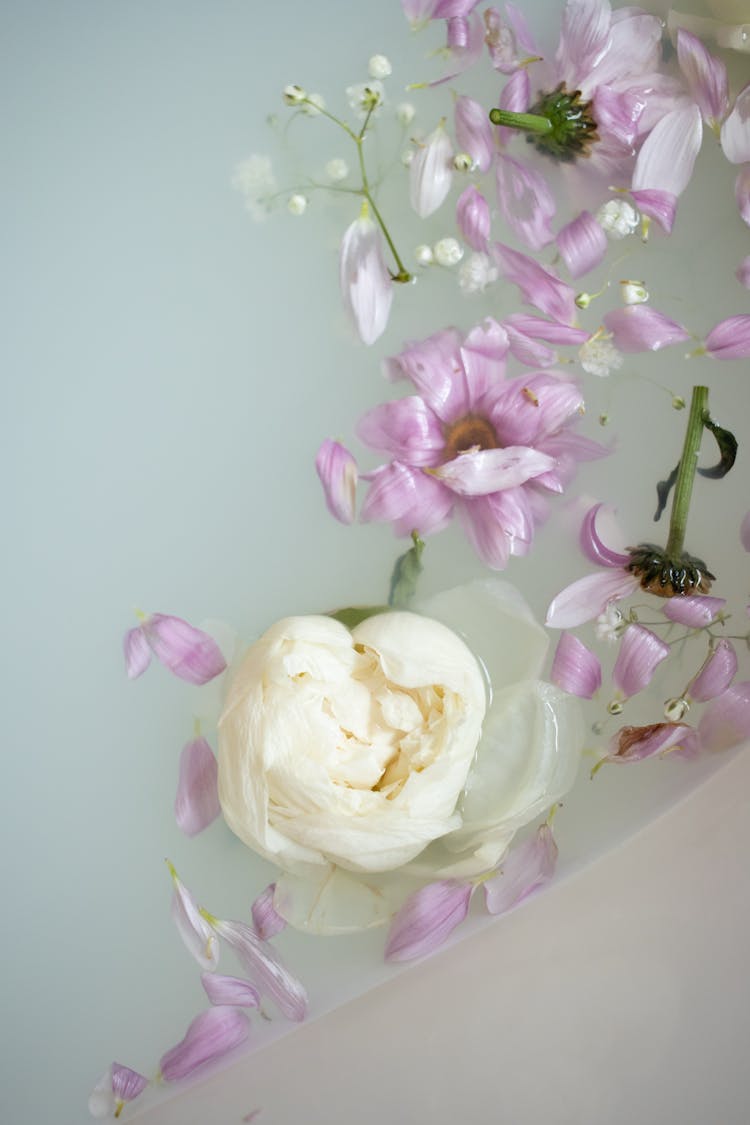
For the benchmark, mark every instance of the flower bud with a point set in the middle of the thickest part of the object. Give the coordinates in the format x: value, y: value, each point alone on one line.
x: 297, y: 204
x: 448, y: 252
x: 337, y: 170
x: 379, y: 67
x: 424, y: 256
x: 462, y: 162
x: 633, y: 292
x: 294, y: 95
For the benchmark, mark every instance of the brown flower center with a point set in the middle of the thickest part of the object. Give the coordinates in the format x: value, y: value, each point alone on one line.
x: 470, y: 432
x: 668, y: 577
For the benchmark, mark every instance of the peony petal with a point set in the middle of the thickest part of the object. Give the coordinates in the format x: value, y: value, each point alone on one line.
x: 197, y: 801
x: 473, y: 218
x: 212, y: 1034
x: 730, y: 339
x: 526, y: 868
x: 474, y: 133
x: 406, y: 429
x: 187, y: 652
x: 588, y: 597
x: 337, y: 470
x: 639, y: 328
x: 525, y: 201
x: 641, y: 651
x: 266, y: 920
x: 366, y: 285
x: 694, y: 610
x: 230, y: 991
x: 658, y: 205
x: 192, y: 927
x: 540, y: 287
x: 262, y: 963
x: 666, y: 158
x: 593, y: 547
x: 706, y: 76
x: 743, y: 272
x: 716, y: 674
x: 575, y: 668
x: 735, y: 132
x: 633, y: 744
x: 127, y: 1084
x: 137, y: 652
x: 426, y: 919
x: 742, y: 193
x: 492, y: 470
x: 411, y: 499
x: 582, y: 244
x: 726, y: 720
x: 431, y: 173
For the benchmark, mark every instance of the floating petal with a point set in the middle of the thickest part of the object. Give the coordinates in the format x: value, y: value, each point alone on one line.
x: 641, y: 651
x: 526, y: 202
x: 716, y: 674
x: 726, y: 720
x: 745, y: 532
x: 473, y: 218
x: 540, y: 287
x: 474, y: 132
x: 262, y: 963
x: 743, y: 272
x: 212, y: 1034
x: 411, y: 499
x: 431, y: 173
x: 266, y: 920
x: 588, y: 597
x: 593, y: 547
x: 197, y: 801
x: 192, y: 927
x: 187, y: 652
x: 582, y: 244
x: 658, y: 205
x: 137, y: 652
x: 730, y: 339
x: 366, y: 285
x: 706, y: 76
x: 526, y: 868
x: 550, y: 330
x: 127, y: 1084
x: 667, y: 156
x: 575, y: 668
x: 694, y: 610
x: 633, y: 744
x: 337, y: 470
x: 426, y: 919
x: 230, y: 991
x: 735, y: 132
x: 742, y: 193
x: 639, y: 328
x: 405, y: 428
x: 492, y: 470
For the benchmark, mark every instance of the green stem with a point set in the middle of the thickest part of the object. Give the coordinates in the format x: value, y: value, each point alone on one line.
x: 529, y: 122
x: 686, y: 472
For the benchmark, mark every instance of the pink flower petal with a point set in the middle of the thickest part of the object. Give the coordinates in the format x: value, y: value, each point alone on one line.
x: 525, y: 201
x: 405, y: 428
x: 366, y: 285
x: 582, y: 244
x: 193, y: 928
x: 431, y: 173
x: 127, y: 1084
x: 658, y: 205
x: 197, y: 801
x: 516, y: 97
x: 695, y: 610
x: 509, y: 43
x: 706, y: 76
x: 524, y: 870
x: 137, y: 652
x: 230, y: 991
x: 266, y: 920
x: 639, y: 328
x: 187, y: 652
x: 529, y: 351
x: 633, y: 744
x: 584, y: 39
x: 735, y: 132
x: 474, y: 133
x: 588, y: 597
x: 432, y: 366
x: 212, y: 1034
x: 742, y: 193
x: 550, y: 330
x: 262, y: 964
x: 641, y: 651
x: 426, y: 919
x: 666, y: 158
x: 540, y: 287
x: 575, y: 668
x: 745, y: 532
x: 473, y: 218
x: 492, y: 470
x: 730, y: 339
x: 410, y: 498
x: 726, y: 720
x: 716, y: 674
x: 743, y: 272
x: 337, y: 470
x: 593, y: 547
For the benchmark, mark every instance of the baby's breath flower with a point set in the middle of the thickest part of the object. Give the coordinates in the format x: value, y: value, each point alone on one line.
x: 633, y: 292
x: 405, y: 113
x: 617, y: 218
x: 448, y: 252
x: 297, y: 204
x: 314, y: 104
x: 407, y: 156
x: 294, y: 95
x: 609, y: 624
x: 365, y: 96
x: 599, y: 356
x: 424, y: 256
x: 476, y: 273
x: 255, y: 180
x: 337, y: 169
x: 462, y: 162
x: 379, y: 67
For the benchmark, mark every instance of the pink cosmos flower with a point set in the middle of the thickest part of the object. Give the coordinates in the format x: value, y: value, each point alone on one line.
x: 472, y: 443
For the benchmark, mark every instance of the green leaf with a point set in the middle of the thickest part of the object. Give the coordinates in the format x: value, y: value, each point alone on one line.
x: 406, y: 574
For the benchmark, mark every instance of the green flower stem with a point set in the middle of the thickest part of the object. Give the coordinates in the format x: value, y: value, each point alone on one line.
x: 686, y: 472
x: 529, y: 122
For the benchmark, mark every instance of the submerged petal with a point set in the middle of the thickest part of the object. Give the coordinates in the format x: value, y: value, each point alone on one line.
x: 474, y: 132
x: 582, y: 244
x: 192, y: 927
x: 666, y: 158
x: 187, y: 652
x: 409, y: 498
x: 262, y: 963
x: 426, y: 919
x: 633, y: 744
x: 212, y: 1034
x: 726, y: 720
x: 735, y: 132
x: 473, y: 217
x: 266, y: 920
x: 588, y: 597
x: 405, y: 428
x: 730, y: 339
x: 197, y: 801
x: 492, y: 470
x: 230, y: 991
x: 593, y: 547
x: 575, y: 668
x: 742, y: 193
x: 137, y: 652
x: 337, y: 470
x: 641, y: 651
x: 716, y: 674
x: 366, y: 285
x: 539, y: 286
x: 706, y: 76
x: 639, y: 328
x: 695, y: 610
x: 525, y: 869
x: 658, y: 205
x: 525, y: 200
x: 431, y: 173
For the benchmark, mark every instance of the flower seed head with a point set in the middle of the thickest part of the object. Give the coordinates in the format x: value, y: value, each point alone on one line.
x: 574, y: 130
x: 668, y: 577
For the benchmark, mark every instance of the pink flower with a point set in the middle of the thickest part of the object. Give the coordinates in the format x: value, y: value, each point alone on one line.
x: 473, y: 443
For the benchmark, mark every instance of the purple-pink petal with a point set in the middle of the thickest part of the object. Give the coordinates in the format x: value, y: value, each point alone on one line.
x: 695, y: 610
x: 409, y: 498
x: 187, y: 652
x: 742, y: 193
x: 735, y: 132
x: 666, y: 158
x: 474, y: 132
x: 432, y: 366
x: 426, y: 919
x: 264, y: 966
x: 127, y: 1084
x: 658, y: 205
x: 516, y: 97
x: 492, y: 470
x: 575, y: 668
x: 212, y: 1034
x: 266, y: 920
x: 584, y: 39
x: 588, y: 597
x: 593, y: 547
x: 582, y: 244
x: 405, y: 428
x: 524, y: 870
x: 641, y: 651
x: 230, y: 991
x: 716, y: 674
x: 726, y: 720
x: 706, y: 76
x: 539, y: 286
x: 197, y: 801
x: 745, y: 532
x: 552, y: 331
x: 634, y: 744
x: 730, y: 339
x: 337, y: 470
x: 137, y: 652
x: 743, y: 272
x: 640, y: 328
x: 498, y: 525
x: 473, y: 218
x: 525, y: 201
x: 196, y: 933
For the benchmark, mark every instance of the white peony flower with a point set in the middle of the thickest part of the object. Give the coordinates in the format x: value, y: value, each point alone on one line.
x: 366, y: 763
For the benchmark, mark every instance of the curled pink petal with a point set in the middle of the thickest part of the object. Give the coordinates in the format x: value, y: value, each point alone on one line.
x: 266, y: 920
x: 474, y: 132
x: 526, y: 868
x: 426, y: 919
x: 187, y: 652
x: 730, y: 339
x: 525, y: 201
x: 197, y: 801
x: 716, y: 674
x: 695, y: 610
x: 639, y: 328
x: 633, y: 744
x: 582, y: 244
x: 431, y: 173
x: 539, y: 286
x: 230, y: 991
x: 337, y: 470
x: 641, y: 651
x: 588, y: 597
x: 263, y: 965
x: 593, y: 547
x: 666, y: 158
x: 735, y: 132
x: 575, y: 668
x: 743, y: 272
x: 127, y: 1084
x: 212, y: 1034
x: 491, y: 470
x: 137, y: 652
x: 658, y: 205
x: 726, y: 720
x: 473, y: 218
x: 193, y: 928
x: 706, y: 76
x: 742, y: 193
x: 366, y: 285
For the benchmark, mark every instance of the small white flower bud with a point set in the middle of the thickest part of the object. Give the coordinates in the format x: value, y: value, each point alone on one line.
x: 678, y: 403
x: 407, y: 156
x: 336, y: 170
x: 448, y: 252
x: 633, y: 292
x: 297, y: 204
x: 294, y: 95
x: 614, y: 707
x: 366, y: 96
x: 583, y: 300
x: 424, y: 256
x: 674, y: 709
x: 405, y: 113
x: 314, y: 104
x: 462, y: 162
x: 617, y: 218
x: 379, y: 67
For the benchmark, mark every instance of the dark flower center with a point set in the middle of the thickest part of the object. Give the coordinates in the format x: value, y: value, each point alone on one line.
x: 668, y: 577
x: 573, y: 130
x: 470, y: 432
